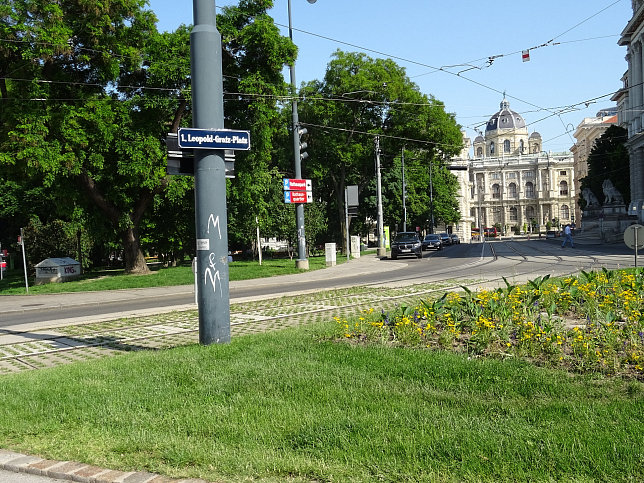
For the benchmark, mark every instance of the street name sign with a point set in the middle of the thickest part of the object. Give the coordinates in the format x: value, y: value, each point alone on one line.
x: 190, y: 138
x: 298, y: 197
x: 297, y: 184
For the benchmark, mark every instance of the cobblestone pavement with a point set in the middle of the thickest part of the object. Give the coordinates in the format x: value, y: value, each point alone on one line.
x: 41, y: 348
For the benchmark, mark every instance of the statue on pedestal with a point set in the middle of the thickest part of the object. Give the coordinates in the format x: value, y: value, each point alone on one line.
x: 611, y: 194
x: 590, y: 198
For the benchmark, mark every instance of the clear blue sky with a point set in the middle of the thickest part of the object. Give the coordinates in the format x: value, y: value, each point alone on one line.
x: 582, y: 63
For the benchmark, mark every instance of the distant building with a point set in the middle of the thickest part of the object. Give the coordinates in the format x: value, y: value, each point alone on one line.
x: 630, y: 105
x: 587, y: 132
x: 511, y: 182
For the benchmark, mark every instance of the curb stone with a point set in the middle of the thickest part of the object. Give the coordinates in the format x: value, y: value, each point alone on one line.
x: 79, y: 472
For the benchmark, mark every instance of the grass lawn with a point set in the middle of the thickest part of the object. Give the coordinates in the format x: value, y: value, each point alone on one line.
x: 295, y: 405
x: 14, y: 283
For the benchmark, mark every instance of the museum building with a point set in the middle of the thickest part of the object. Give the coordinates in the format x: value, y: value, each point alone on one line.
x: 511, y: 182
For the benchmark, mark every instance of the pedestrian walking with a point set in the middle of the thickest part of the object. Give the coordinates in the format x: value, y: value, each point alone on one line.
x: 568, y: 235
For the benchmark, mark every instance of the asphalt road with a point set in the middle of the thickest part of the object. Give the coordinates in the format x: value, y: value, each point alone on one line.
x: 515, y: 260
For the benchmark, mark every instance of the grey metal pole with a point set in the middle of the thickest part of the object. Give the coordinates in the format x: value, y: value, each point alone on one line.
x: 210, y: 178
x: 346, y: 222
x: 301, y: 262
x: 404, y: 194
x: 24, y: 260
x: 382, y: 251
x: 431, y: 197
x: 636, y: 243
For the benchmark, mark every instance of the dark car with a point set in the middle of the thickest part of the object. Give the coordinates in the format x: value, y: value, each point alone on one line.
x: 432, y: 241
x: 445, y: 238
x: 406, y: 243
x: 455, y: 239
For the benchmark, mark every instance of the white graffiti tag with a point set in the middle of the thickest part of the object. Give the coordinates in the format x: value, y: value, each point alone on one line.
x: 212, y: 274
x: 215, y: 224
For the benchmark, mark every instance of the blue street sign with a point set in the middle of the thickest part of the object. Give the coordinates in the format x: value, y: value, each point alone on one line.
x: 213, y: 139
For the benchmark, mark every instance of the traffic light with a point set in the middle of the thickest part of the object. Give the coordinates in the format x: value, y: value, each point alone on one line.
x: 303, y: 154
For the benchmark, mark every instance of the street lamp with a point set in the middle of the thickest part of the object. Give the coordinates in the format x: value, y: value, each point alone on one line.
x: 301, y: 262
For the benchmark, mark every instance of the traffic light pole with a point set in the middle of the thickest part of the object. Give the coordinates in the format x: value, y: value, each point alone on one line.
x: 301, y: 262
x: 211, y: 220
x: 382, y: 250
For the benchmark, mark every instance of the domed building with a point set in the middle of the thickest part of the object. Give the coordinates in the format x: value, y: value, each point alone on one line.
x: 511, y: 183
x: 506, y: 134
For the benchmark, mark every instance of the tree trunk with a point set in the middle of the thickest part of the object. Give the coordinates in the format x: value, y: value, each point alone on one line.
x: 132, y: 254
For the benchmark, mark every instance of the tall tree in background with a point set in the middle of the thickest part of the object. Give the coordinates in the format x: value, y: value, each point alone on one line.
x: 254, y: 55
x: 71, y: 120
x: 88, y: 93
x: 609, y: 159
x: 360, y: 98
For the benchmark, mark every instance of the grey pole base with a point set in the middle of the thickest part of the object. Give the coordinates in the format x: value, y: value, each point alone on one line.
x: 382, y: 252
x: 302, y: 264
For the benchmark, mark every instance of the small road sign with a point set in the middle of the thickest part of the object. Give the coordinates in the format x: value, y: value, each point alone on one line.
x: 634, y: 237
x: 297, y: 184
x: 190, y: 138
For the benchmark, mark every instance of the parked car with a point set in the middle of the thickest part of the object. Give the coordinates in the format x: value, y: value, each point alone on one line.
x: 432, y: 241
x: 455, y: 239
x: 445, y: 238
x: 406, y: 243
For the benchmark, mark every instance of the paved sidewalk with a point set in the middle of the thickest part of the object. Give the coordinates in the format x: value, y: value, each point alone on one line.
x: 46, y: 471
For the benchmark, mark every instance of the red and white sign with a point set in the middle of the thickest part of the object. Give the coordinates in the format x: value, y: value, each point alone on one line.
x: 297, y: 184
x: 298, y: 197
x: 525, y: 55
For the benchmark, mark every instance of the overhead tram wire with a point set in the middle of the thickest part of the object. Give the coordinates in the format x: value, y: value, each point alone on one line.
x: 412, y: 61
x: 371, y: 134
x: 557, y: 109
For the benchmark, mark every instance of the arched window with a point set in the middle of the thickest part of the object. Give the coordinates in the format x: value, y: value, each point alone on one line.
x: 563, y: 188
x: 513, y: 214
x: 565, y: 212
x: 491, y: 147
x: 506, y: 146
x: 529, y: 190
x: 496, y: 191
x: 512, y: 190
x: 479, y: 152
x: 529, y: 212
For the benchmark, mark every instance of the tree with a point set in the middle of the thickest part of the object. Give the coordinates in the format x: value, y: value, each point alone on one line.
x: 254, y: 54
x: 361, y: 98
x: 87, y: 129
x: 608, y: 159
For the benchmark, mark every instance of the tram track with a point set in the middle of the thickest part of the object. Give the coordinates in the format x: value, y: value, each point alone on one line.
x: 95, y: 339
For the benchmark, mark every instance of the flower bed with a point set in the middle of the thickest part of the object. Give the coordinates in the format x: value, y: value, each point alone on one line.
x: 589, y: 323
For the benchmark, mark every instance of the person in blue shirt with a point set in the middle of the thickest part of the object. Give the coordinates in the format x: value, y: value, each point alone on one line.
x: 568, y: 235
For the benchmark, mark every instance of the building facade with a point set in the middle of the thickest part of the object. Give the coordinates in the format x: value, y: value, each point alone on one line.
x: 511, y: 182
x: 587, y: 132
x: 630, y: 105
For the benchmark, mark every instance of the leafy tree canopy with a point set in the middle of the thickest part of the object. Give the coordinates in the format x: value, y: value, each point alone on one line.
x: 361, y: 98
x: 609, y: 159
